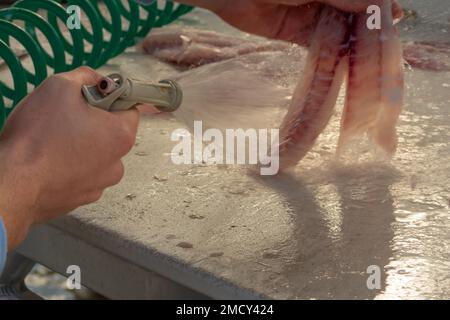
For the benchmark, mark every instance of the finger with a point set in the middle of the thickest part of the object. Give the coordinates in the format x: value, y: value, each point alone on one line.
x: 397, y: 11
x: 129, y: 119
x: 346, y: 5
x: 147, y: 109
x: 299, y: 24
x: 288, y: 2
x: 83, y: 75
x: 128, y: 125
x: 90, y: 197
x: 112, y: 132
x: 111, y: 176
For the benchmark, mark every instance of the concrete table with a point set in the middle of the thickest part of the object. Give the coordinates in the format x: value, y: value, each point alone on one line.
x: 192, y: 231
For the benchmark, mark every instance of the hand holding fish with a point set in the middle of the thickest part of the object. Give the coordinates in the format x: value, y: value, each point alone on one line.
x: 290, y: 20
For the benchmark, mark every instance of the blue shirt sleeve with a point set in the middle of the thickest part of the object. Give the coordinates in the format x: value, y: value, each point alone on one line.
x: 3, y: 245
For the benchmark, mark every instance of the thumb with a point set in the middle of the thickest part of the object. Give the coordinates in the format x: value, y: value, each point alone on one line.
x: 83, y: 75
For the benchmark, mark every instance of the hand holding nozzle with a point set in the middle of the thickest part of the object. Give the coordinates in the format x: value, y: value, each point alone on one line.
x: 116, y: 93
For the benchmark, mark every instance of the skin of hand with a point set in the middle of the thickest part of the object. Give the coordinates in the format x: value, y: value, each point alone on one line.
x: 289, y: 20
x: 58, y: 153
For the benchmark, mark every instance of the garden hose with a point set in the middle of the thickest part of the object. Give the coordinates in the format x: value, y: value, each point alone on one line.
x: 128, y: 22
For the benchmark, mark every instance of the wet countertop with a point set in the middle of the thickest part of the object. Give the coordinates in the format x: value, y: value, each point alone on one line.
x: 313, y: 233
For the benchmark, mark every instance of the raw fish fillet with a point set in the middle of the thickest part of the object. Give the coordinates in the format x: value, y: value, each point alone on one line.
x: 315, y: 96
x: 342, y: 44
x: 375, y: 83
x: 193, y: 48
x: 432, y: 56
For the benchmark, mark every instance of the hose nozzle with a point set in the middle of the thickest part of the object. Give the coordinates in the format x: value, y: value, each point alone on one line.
x: 115, y: 93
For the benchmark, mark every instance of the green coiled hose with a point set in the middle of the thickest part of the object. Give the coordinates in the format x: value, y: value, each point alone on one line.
x: 66, y: 55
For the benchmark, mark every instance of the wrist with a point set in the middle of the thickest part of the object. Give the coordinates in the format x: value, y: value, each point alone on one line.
x: 16, y: 230
x: 16, y: 219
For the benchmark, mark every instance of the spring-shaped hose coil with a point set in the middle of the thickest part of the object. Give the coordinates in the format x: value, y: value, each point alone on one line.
x: 66, y: 55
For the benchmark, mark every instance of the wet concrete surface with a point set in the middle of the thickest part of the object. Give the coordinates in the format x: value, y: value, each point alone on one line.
x: 308, y: 234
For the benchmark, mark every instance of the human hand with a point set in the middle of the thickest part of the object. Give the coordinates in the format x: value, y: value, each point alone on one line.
x: 58, y: 153
x: 345, y: 5
x: 290, y: 20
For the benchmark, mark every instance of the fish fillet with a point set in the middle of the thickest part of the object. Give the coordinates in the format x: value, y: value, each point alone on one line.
x: 315, y: 96
x: 375, y: 83
x: 193, y: 48
x: 432, y: 56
